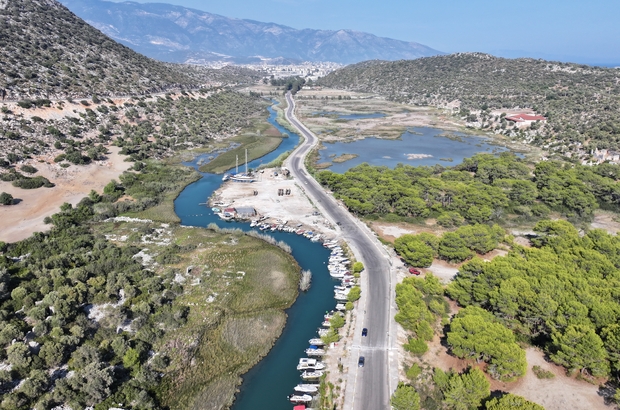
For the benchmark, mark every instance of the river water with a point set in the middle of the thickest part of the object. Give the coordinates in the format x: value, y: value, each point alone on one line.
x: 268, y: 383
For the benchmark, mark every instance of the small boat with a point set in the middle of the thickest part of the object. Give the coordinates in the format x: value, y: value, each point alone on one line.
x: 311, y: 375
x: 307, y: 388
x: 341, y: 297
x: 225, y: 216
x: 316, y: 342
x: 323, y: 332
x: 341, y: 306
x: 226, y: 177
x: 215, y: 210
x: 253, y: 224
x: 315, y: 352
x: 310, y: 364
x: 297, y: 398
x: 300, y: 231
x: 326, y: 324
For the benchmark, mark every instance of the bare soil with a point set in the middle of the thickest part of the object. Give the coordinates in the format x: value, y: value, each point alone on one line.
x: 295, y: 208
x: 18, y: 222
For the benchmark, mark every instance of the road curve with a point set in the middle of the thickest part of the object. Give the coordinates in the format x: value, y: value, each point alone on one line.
x: 368, y: 388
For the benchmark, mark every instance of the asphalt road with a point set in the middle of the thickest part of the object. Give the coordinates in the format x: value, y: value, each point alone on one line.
x: 371, y: 383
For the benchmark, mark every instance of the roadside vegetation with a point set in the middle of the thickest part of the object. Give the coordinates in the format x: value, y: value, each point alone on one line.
x: 483, y: 189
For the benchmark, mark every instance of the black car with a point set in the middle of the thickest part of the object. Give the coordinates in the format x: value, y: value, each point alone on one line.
x: 364, y: 332
x: 360, y: 362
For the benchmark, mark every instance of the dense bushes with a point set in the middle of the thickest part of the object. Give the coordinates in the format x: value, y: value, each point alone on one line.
x: 559, y: 294
x: 500, y: 184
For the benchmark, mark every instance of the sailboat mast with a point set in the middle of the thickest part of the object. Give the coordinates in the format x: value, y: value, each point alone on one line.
x: 237, y: 164
x: 246, y: 161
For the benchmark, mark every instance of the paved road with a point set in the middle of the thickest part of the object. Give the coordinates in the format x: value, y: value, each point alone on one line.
x: 370, y: 389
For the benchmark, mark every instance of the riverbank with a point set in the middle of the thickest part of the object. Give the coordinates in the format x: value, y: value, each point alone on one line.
x: 295, y: 208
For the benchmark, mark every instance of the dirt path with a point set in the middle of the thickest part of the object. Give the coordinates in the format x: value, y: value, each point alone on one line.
x: 19, y: 221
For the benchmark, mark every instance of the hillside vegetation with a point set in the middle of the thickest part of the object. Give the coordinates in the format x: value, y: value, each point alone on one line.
x: 48, y: 52
x: 582, y: 103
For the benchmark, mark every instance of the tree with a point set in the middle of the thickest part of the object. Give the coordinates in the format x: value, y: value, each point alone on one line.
x: 405, y: 398
x: 19, y: 355
x: 511, y: 402
x: 580, y: 348
x: 414, y: 250
x: 6, y: 199
x: 466, y: 391
x: 453, y: 248
x: 358, y: 267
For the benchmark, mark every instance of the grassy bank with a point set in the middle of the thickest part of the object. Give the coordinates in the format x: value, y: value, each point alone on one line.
x: 256, y: 145
x: 235, y: 289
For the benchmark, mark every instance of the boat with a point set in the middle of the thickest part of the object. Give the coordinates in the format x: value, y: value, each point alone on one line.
x: 323, y: 332
x: 311, y: 375
x: 225, y: 216
x: 300, y: 231
x: 341, y: 306
x: 315, y: 352
x: 310, y: 364
x: 216, y: 210
x: 253, y: 224
x: 341, y: 297
x: 226, y: 177
x: 300, y: 398
x: 307, y: 388
x: 326, y: 324
x: 316, y: 342
x: 244, y: 177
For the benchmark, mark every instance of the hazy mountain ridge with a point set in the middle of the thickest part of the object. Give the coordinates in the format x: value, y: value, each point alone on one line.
x: 178, y: 34
x: 582, y: 102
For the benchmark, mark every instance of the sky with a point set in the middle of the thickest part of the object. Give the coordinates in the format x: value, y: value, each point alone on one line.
x: 577, y: 31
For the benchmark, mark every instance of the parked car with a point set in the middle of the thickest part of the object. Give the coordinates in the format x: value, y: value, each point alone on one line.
x: 360, y: 362
x: 414, y: 271
x: 364, y: 332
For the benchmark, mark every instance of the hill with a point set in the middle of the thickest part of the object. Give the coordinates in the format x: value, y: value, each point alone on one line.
x: 48, y: 52
x: 177, y: 34
x: 581, y: 103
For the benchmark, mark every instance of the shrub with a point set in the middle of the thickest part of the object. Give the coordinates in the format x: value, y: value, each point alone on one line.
x: 542, y: 373
x: 6, y: 199
x: 29, y: 169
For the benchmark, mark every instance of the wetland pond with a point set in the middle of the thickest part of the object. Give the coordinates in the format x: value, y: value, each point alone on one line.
x: 416, y: 146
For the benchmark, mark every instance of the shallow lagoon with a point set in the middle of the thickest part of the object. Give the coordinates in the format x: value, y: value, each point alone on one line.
x: 342, y: 116
x: 418, y: 146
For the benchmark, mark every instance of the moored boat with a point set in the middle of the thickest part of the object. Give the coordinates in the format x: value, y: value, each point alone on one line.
x: 306, y: 388
x: 315, y: 352
x: 311, y: 375
x: 316, y: 342
x: 300, y: 398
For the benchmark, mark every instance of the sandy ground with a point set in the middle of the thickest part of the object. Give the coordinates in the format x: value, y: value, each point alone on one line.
x: 295, y: 208
x: 605, y: 220
x: 19, y: 221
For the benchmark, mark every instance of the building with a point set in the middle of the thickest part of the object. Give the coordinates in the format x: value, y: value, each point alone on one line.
x: 245, y: 212
x: 523, y: 119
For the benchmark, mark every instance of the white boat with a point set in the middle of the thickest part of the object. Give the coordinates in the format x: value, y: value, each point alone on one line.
x: 245, y: 177
x: 343, y: 292
x: 311, y: 375
x: 310, y: 364
x: 323, y: 332
x: 341, y: 306
x: 226, y: 177
x: 225, y: 216
x: 300, y: 398
x: 326, y: 324
x: 315, y: 352
x: 341, y: 297
x: 253, y: 224
x: 336, y: 274
x: 316, y: 342
x: 307, y: 388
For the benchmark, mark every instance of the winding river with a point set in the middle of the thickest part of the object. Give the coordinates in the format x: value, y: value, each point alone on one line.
x: 268, y: 383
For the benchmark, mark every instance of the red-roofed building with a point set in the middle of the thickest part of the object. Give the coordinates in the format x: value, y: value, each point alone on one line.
x: 524, y: 119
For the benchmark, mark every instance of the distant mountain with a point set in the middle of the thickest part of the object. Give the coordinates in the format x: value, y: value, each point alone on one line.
x: 177, y: 34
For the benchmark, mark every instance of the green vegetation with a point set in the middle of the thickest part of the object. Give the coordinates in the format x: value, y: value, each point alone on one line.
x: 420, y: 304
x: 542, y: 373
x: 512, y: 402
x: 405, y: 398
x: 292, y: 84
x: 21, y: 181
x: 567, y: 94
x: 558, y: 295
x: 477, y: 334
x: 257, y: 146
x: 6, y: 199
x: 500, y: 186
x: 464, y: 391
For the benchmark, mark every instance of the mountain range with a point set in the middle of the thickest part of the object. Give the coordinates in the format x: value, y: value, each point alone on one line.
x: 178, y: 34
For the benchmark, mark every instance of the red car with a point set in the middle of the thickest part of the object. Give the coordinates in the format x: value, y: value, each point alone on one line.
x: 414, y: 271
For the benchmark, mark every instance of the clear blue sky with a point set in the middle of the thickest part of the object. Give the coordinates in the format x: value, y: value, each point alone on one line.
x: 581, y: 31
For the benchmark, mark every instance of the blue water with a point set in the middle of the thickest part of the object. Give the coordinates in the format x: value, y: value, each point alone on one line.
x: 349, y: 116
x: 268, y: 383
x: 423, y: 140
